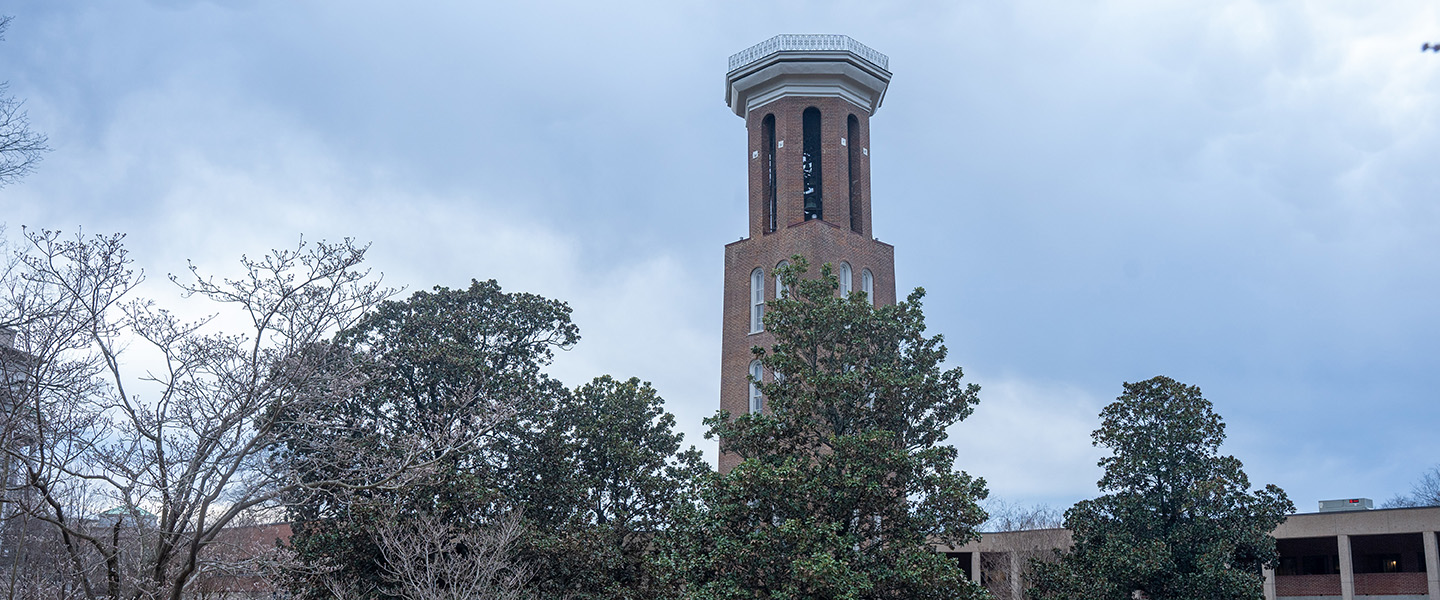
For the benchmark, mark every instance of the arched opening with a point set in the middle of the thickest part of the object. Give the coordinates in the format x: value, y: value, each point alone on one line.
x: 780, y: 289
x: 810, y: 164
x: 757, y: 401
x: 757, y: 301
x: 767, y: 142
x: 852, y: 134
x: 867, y: 284
x: 846, y: 280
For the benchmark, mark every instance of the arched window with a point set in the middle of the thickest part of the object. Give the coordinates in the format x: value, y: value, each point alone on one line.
x: 852, y: 129
x: 810, y: 164
x: 757, y: 401
x: 867, y: 284
x: 846, y: 280
x: 767, y: 141
x: 780, y: 289
x: 757, y: 301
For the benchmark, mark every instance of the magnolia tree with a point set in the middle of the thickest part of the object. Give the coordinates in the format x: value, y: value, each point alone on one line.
x: 1179, y: 521
x: 846, y: 484
x: 133, y: 488
x: 590, y: 474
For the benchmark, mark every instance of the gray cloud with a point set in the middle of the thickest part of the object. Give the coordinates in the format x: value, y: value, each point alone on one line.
x: 1235, y: 194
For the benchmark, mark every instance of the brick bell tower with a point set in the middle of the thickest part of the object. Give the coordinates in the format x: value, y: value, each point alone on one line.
x: 806, y: 101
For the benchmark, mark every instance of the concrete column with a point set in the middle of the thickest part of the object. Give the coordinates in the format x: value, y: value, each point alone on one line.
x: 1432, y: 565
x: 1347, y: 568
x: 1269, y: 583
x: 1015, y: 590
x: 975, y: 566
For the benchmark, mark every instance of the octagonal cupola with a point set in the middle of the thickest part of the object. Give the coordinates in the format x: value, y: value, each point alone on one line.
x: 810, y: 65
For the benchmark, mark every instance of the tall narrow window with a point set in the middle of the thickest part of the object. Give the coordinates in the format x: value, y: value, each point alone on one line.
x: 757, y: 301
x: 867, y: 284
x: 757, y: 401
x: 780, y: 289
x: 852, y: 130
x: 810, y: 164
x: 772, y: 209
x: 846, y: 279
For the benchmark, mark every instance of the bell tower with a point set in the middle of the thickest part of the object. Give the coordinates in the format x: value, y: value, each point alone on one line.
x: 807, y: 102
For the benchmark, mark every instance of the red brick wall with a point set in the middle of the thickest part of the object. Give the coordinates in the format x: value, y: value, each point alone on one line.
x: 834, y: 165
x: 819, y: 242
x: 1366, y: 584
x: 1390, y: 584
x: 1307, y: 585
x: 827, y: 240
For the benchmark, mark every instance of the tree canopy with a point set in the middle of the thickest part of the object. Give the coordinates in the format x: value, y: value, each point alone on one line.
x: 845, y: 483
x: 1179, y: 522
x: 611, y: 474
x: 464, y: 363
x: 588, y: 477
x: 135, y: 490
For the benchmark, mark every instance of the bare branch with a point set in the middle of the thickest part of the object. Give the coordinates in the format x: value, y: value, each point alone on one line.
x: 21, y: 148
x: 430, y: 559
x: 140, y: 492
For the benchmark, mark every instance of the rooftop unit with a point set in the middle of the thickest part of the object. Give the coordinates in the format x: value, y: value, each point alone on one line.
x: 1346, y: 504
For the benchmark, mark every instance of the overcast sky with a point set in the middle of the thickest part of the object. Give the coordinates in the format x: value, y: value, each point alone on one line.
x: 1240, y: 195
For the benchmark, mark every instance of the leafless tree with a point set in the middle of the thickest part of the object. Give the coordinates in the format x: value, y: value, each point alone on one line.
x: 1424, y: 492
x: 281, y: 561
x: 20, y: 147
x: 137, y: 487
x: 1024, y: 535
x: 430, y: 559
x: 1005, y: 516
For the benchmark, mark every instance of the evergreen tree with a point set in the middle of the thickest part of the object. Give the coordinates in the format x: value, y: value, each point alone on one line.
x: 845, y: 485
x: 1180, y: 521
x: 605, y: 485
x: 592, y: 474
x: 461, y: 363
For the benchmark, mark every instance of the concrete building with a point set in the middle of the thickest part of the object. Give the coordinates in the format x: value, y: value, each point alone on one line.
x: 807, y: 102
x: 998, y: 561
x: 1345, y: 555
x: 1358, y: 554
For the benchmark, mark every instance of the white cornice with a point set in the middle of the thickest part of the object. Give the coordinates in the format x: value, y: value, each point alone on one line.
x: 813, y: 73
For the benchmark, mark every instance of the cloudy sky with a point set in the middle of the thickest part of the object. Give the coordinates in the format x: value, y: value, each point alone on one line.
x: 1240, y: 195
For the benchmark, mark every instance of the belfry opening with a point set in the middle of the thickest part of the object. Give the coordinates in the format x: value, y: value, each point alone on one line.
x: 810, y: 165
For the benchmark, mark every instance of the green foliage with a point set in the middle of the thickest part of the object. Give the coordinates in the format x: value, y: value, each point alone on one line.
x: 594, y: 473
x: 612, y: 474
x: 844, y: 485
x: 1180, y: 521
x: 463, y: 365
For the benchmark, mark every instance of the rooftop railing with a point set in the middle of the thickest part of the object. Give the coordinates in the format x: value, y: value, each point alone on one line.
x: 807, y: 43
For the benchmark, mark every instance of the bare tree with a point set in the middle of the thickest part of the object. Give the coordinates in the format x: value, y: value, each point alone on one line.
x: 430, y: 559
x: 20, y: 147
x: 1424, y: 492
x: 424, y: 558
x: 1024, y: 536
x: 1005, y: 516
x: 179, y: 464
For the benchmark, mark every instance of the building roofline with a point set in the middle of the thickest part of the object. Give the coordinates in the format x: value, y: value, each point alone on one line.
x: 807, y: 42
